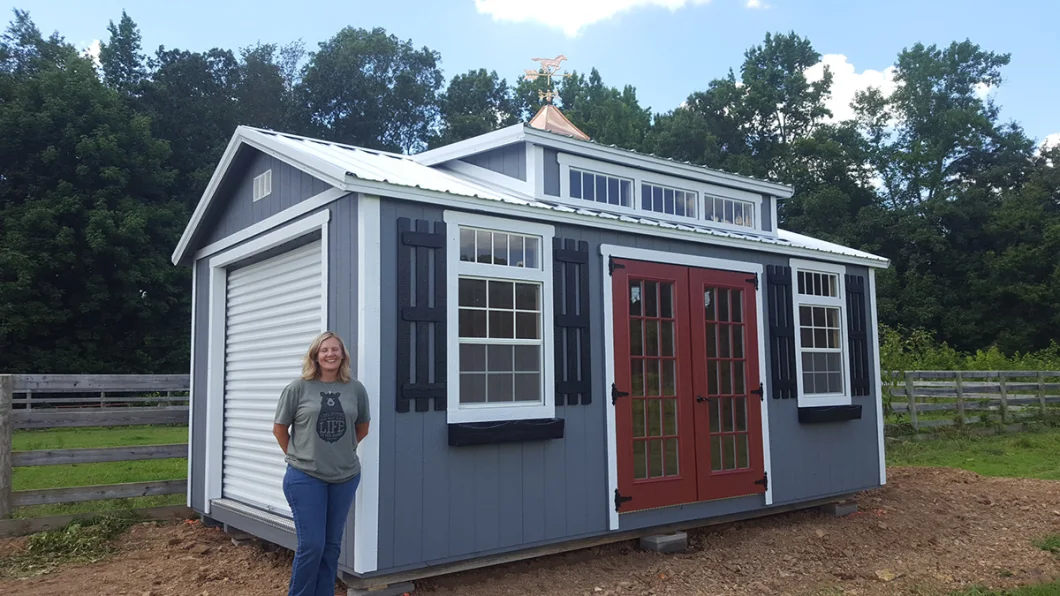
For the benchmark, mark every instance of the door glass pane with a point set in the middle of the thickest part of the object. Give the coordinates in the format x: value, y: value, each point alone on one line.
x: 640, y: 460
x: 715, y: 453
x: 712, y: 378
x: 709, y: 304
x: 634, y: 299
x: 737, y: 306
x: 738, y: 380
x: 712, y: 340
x: 651, y: 338
x: 655, y: 467
x: 672, y: 468
x: 729, y: 452
x: 669, y: 377
x: 667, y: 338
x: 742, y: 458
x: 726, y: 414
x: 724, y: 350
x: 636, y: 337
x: 723, y: 305
x: 726, y: 377
x: 651, y: 299
x: 651, y: 377
x: 654, y: 417
x: 670, y: 417
x: 666, y: 300
x: 715, y: 415
x: 741, y: 414
x: 636, y: 376
x: 737, y: 341
x: 638, y: 418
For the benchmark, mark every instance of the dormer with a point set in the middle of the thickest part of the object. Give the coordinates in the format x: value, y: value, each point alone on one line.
x: 552, y: 161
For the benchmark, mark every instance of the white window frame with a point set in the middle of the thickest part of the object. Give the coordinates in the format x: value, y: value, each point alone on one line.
x: 640, y: 177
x: 842, y: 398
x: 460, y: 413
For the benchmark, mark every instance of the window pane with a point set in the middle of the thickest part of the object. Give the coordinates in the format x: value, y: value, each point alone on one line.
x: 636, y: 376
x: 806, y: 315
x: 636, y: 337
x: 575, y: 184
x: 472, y: 323
x: 634, y: 299
x: 472, y: 358
x: 726, y: 378
x: 467, y: 245
x: 712, y: 378
x: 738, y: 380
x: 612, y: 191
x: 627, y: 191
x: 499, y: 358
x: 679, y: 203
x: 528, y: 297
x: 708, y: 209
x: 655, y: 468
x: 501, y: 294
x: 709, y: 304
x: 666, y: 300
x: 806, y: 337
x: 667, y: 338
x: 645, y: 197
x: 656, y: 199
x: 651, y: 338
x: 472, y: 388
x: 723, y: 305
x: 834, y: 362
x: 501, y: 324
x: 499, y: 388
x: 742, y: 459
x: 640, y: 460
x: 833, y: 338
x: 808, y: 384
x: 651, y: 299
x: 638, y: 418
x: 668, y: 201
x: 532, y: 252
x: 715, y: 415
x: 741, y: 414
x: 527, y: 325
x: 528, y: 358
x: 500, y: 249
x: 670, y: 457
x: 737, y: 341
x: 723, y: 341
x: 516, y: 257
x: 588, y: 188
x: 820, y: 338
x: 651, y: 377
x: 485, y: 247
x: 712, y: 340
x: 729, y: 453
x: 726, y: 415
x: 654, y: 417
x: 835, y: 382
x: 601, y: 189
x: 670, y: 417
x: 528, y: 387
x: 669, y: 377
x: 737, y: 306
x: 715, y: 453
x: 473, y: 292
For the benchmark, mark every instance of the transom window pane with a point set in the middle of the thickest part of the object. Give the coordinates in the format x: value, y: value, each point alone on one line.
x: 730, y: 211
x: 671, y: 201
x: 500, y: 248
x: 599, y: 188
x: 812, y: 283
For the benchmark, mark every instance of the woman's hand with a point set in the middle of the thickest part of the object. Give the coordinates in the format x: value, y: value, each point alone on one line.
x: 282, y: 436
x: 362, y: 431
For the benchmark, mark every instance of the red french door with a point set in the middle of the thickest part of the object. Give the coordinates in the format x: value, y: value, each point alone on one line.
x: 656, y: 446
x: 688, y: 424
x: 728, y: 410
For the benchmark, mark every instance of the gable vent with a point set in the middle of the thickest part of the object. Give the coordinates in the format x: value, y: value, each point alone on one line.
x: 263, y: 185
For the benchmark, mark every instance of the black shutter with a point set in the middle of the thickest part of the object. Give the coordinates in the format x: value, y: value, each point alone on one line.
x: 570, y: 274
x: 781, y: 332
x: 857, y: 334
x: 421, y: 314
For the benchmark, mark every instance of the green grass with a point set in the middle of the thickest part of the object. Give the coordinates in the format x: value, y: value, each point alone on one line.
x: 43, y: 477
x: 1020, y: 455
x: 81, y: 541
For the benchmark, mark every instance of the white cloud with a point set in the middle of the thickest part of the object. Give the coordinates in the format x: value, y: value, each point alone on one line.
x: 846, y: 81
x: 571, y: 16
x: 92, y: 51
x: 756, y: 4
x: 1052, y: 140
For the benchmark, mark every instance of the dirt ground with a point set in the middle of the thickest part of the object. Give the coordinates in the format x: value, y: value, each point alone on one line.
x: 929, y: 531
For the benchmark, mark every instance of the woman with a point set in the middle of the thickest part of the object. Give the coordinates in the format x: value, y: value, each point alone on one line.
x: 327, y: 414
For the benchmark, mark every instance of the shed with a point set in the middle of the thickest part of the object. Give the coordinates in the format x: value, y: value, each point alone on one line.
x: 564, y: 344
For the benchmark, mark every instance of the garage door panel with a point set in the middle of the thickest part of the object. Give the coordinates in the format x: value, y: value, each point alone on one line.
x: 273, y: 311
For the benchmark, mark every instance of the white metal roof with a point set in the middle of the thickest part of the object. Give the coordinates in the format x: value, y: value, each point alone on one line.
x: 356, y: 169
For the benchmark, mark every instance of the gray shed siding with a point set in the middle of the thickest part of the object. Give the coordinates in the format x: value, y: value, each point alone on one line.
x: 510, y: 160
x: 767, y: 213
x: 238, y: 209
x: 441, y: 504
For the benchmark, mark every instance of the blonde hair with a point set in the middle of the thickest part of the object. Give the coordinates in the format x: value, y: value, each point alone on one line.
x: 310, y: 368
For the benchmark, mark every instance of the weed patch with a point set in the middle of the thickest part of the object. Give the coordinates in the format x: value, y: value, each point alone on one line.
x: 1050, y: 543
x: 81, y: 541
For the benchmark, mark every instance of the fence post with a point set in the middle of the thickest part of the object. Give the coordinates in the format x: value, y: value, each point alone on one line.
x: 1004, y: 397
x: 1041, y: 392
x: 960, y: 396
x: 7, y: 392
x: 911, y: 394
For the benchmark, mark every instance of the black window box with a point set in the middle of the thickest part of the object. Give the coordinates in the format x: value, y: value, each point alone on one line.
x: 508, y: 431
x: 829, y: 413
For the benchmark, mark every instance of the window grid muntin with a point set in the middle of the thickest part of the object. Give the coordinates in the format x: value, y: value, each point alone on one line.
x: 729, y: 211
x: 669, y: 200
x: 587, y: 185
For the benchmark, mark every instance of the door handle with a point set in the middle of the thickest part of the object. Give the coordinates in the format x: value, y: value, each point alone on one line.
x: 700, y: 398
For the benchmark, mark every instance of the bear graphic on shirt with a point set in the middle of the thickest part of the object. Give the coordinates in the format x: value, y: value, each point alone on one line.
x: 331, y: 422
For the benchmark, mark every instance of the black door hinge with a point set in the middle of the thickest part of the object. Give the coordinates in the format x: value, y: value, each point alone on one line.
x: 753, y: 280
x: 619, y: 499
x: 615, y: 394
x: 764, y: 481
x: 760, y: 392
x: 612, y: 264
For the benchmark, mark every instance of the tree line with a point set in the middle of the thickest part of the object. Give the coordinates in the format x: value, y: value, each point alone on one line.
x: 101, y: 166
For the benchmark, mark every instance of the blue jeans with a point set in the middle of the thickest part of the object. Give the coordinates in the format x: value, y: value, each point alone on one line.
x: 320, y: 510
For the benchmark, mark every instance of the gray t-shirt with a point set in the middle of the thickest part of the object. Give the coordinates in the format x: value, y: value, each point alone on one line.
x: 322, y: 417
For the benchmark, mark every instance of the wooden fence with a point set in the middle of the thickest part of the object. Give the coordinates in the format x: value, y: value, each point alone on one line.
x: 1008, y: 395
x: 65, y: 401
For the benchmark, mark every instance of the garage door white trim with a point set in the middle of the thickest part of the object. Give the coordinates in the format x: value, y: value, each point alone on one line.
x: 216, y: 344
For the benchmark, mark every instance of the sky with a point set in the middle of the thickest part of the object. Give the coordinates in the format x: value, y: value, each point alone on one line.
x: 666, y: 49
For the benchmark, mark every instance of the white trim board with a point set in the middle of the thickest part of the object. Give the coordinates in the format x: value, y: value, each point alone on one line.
x: 215, y: 348
x: 191, y: 382
x: 369, y: 350
x: 874, y: 349
x: 624, y: 252
x: 488, y: 176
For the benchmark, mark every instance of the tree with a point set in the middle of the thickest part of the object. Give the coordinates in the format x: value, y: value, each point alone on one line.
x: 121, y: 59
x: 370, y: 89
x: 607, y: 115
x: 475, y: 103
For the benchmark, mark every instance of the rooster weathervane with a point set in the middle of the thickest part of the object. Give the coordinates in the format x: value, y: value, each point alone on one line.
x: 549, y: 66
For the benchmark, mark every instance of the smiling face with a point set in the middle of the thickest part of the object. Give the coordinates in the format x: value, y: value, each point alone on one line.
x: 330, y: 357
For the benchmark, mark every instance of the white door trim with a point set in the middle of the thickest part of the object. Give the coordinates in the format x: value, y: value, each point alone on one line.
x: 216, y: 339
x: 624, y: 252
x: 369, y: 349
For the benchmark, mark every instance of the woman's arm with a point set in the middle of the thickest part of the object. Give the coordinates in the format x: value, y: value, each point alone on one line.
x: 282, y: 436
x: 362, y: 431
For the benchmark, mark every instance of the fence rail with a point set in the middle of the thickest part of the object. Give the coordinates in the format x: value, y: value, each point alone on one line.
x: 72, y: 401
x: 1008, y: 393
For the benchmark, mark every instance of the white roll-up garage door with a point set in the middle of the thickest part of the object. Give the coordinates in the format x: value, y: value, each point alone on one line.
x: 273, y: 310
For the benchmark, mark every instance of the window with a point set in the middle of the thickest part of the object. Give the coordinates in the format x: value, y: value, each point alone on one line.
x: 819, y: 317
x: 500, y: 331
x: 672, y: 201
x: 730, y: 211
x: 600, y: 188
